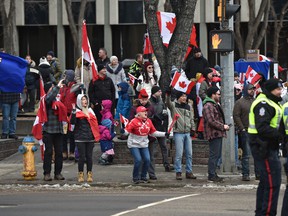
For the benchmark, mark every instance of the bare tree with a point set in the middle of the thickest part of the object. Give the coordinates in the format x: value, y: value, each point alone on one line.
x: 278, y: 25
x: 9, y: 26
x: 76, y: 29
x: 174, y: 54
x: 257, y: 26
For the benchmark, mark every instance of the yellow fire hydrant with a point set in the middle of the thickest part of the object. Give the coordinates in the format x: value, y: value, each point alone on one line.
x: 27, y: 149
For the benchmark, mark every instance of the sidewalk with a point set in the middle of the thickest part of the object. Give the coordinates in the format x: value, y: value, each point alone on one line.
x: 112, y: 176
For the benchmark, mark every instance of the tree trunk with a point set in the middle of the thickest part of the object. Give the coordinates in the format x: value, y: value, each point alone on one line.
x: 11, y: 43
x: 174, y: 54
x: 76, y: 32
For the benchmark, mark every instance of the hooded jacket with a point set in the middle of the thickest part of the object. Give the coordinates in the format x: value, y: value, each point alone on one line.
x: 213, y: 119
x: 85, y: 128
x: 241, y: 110
x: 124, y: 103
x: 87, y: 74
x: 106, y: 110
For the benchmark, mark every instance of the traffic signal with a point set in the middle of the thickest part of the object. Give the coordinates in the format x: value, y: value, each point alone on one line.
x: 230, y: 9
x: 221, y: 41
x: 225, y: 11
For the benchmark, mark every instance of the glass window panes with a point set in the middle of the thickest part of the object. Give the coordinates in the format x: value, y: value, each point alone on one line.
x: 130, y: 11
x: 36, y: 12
x: 90, y: 11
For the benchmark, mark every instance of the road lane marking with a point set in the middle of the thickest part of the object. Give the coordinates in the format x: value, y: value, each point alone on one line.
x: 154, y: 204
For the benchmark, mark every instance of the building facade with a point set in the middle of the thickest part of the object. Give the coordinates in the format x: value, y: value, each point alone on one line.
x: 117, y: 25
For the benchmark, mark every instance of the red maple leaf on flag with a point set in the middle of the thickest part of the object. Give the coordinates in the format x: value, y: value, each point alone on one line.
x: 182, y: 84
x: 171, y: 26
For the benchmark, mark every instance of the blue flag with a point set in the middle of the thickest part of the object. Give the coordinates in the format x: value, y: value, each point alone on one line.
x: 12, y: 73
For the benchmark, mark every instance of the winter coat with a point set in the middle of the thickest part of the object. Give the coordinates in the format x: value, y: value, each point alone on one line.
x: 46, y: 72
x: 124, y: 103
x: 101, y: 89
x: 105, y: 138
x: 138, y: 130
x: 104, y: 62
x: 185, y: 123
x: 117, y: 74
x: 160, y: 118
x: 85, y: 129
x: 68, y: 97
x: 32, y: 76
x: 55, y: 65
x: 136, y: 103
x: 53, y: 125
x: 87, y: 74
x: 136, y: 69
x: 147, y: 86
x: 203, y: 89
x: 106, y: 110
x: 241, y: 111
x: 213, y: 120
x: 195, y: 65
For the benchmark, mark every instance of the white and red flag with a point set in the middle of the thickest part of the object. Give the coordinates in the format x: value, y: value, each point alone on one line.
x: 252, y: 76
x: 41, y: 118
x: 147, y: 49
x: 181, y: 83
x: 132, y: 79
x: 123, y: 120
x: 167, y: 24
x: 87, y: 52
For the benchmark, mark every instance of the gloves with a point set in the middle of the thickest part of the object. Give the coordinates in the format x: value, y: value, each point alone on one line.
x: 192, y: 133
x: 122, y: 131
x: 167, y: 135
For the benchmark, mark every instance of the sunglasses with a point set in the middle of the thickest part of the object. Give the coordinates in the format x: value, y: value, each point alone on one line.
x: 150, y: 67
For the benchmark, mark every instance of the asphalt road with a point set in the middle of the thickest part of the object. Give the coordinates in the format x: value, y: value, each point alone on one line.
x: 139, y: 201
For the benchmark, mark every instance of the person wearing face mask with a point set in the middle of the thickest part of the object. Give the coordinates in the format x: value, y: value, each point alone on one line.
x: 148, y: 79
x: 182, y: 131
x: 87, y: 73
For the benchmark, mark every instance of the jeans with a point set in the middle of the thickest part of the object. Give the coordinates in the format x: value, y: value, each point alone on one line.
x: 50, y: 141
x: 141, y: 157
x: 246, y: 152
x: 215, y: 148
x: 270, y: 182
x: 85, y: 153
x: 183, y: 141
x: 9, y: 111
x: 236, y: 150
x: 162, y: 143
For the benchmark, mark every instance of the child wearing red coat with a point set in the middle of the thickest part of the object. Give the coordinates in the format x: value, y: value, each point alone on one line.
x: 138, y: 129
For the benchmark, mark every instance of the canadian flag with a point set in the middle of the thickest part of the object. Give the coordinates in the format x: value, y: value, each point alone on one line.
x: 123, y: 120
x: 87, y: 52
x: 181, y: 83
x: 132, y: 79
x: 252, y: 76
x: 41, y: 118
x: 167, y: 24
x: 264, y: 58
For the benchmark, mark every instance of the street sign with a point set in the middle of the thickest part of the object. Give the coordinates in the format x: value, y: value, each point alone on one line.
x: 221, y: 41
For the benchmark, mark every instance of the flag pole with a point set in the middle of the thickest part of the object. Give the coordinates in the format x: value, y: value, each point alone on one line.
x: 82, y: 64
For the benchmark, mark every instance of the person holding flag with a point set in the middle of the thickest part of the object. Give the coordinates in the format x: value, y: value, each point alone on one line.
x: 182, y: 132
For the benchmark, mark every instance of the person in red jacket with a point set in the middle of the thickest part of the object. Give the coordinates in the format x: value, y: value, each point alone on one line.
x: 138, y: 129
x: 68, y: 98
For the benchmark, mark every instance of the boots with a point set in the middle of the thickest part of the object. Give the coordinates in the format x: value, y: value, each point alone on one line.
x: 80, y: 177
x: 89, y: 177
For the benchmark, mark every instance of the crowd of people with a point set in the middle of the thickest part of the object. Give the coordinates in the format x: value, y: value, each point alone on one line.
x: 94, y: 112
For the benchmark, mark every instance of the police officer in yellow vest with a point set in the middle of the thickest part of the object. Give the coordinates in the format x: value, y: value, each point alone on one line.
x: 285, y: 154
x: 265, y: 130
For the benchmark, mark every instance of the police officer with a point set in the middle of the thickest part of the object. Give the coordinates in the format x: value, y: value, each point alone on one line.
x: 265, y: 127
x: 285, y: 154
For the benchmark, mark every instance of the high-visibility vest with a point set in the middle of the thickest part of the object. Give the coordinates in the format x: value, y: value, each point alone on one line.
x: 275, y: 121
x: 285, y: 116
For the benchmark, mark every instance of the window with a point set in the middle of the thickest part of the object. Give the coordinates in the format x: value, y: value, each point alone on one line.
x: 90, y: 11
x: 130, y: 11
x: 36, y: 12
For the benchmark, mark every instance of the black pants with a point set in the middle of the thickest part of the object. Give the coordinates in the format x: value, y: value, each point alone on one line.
x: 85, y: 150
x: 50, y: 141
x: 69, y: 136
x: 31, y: 94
